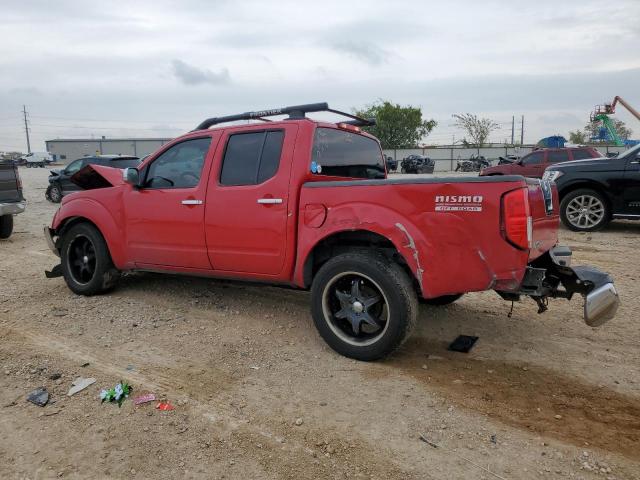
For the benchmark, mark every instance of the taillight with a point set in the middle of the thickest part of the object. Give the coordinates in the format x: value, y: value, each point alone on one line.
x: 346, y: 126
x: 18, y: 179
x: 517, y: 223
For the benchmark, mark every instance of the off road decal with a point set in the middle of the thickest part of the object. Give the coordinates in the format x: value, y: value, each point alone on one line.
x: 458, y: 203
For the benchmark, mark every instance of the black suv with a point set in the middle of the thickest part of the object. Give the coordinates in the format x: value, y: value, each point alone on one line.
x: 595, y: 191
x: 60, y: 183
x: 417, y: 164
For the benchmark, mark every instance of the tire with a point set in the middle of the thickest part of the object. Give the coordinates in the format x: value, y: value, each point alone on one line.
x: 585, y: 210
x: 86, y: 263
x: 403, y: 170
x: 6, y: 226
x: 440, y: 301
x: 53, y: 193
x: 339, y: 295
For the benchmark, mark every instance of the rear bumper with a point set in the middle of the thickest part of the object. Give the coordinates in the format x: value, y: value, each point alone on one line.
x: 551, y: 276
x: 12, y: 208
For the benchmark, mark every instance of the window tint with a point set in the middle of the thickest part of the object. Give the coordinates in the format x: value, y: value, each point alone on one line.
x: 180, y: 166
x: 555, y: 156
x: 534, y: 158
x: 73, y: 167
x: 345, y: 154
x: 129, y: 162
x: 580, y: 154
x: 251, y: 158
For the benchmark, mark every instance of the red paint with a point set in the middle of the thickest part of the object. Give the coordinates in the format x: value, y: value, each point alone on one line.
x: 231, y: 235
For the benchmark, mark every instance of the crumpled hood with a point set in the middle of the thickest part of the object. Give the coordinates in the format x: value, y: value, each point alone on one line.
x: 97, y: 176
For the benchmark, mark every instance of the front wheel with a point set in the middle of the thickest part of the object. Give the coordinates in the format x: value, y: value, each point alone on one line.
x: 86, y: 263
x: 584, y: 210
x: 363, y: 305
x: 6, y: 226
x: 53, y: 193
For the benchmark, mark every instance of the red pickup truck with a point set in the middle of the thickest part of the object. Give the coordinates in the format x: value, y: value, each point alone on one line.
x: 307, y: 204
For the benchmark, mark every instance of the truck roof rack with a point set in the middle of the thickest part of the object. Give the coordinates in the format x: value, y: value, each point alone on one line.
x: 296, y: 112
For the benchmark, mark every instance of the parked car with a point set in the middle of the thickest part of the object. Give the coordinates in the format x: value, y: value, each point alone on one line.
x: 299, y: 203
x: 392, y: 163
x: 475, y: 163
x: 12, y: 201
x: 60, y: 183
x: 534, y: 164
x: 37, y: 159
x: 593, y: 192
x: 417, y: 164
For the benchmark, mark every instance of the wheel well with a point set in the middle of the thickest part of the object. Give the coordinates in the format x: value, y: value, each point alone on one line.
x: 70, y: 222
x: 592, y: 186
x: 348, y: 241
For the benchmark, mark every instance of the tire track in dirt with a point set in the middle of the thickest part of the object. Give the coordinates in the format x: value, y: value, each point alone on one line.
x: 261, y: 440
x: 526, y: 397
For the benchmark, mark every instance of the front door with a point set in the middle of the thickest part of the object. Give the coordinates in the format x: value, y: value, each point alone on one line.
x: 631, y: 186
x: 531, y: 165
x: 248, y: 200
x: 165, y: 216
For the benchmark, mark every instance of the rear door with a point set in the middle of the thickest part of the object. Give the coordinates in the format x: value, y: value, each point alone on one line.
x: 248, y: 200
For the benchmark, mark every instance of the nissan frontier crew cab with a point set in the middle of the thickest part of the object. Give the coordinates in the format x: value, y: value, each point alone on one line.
x: 307, y: 204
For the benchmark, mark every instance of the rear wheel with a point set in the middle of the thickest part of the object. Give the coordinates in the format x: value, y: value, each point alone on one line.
x: 584, y: 210
x: 363, y: 305
x: 86, y: 263
x: 6, y: 226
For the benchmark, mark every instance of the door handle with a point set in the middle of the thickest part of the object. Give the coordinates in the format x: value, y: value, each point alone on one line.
x: 192, y: 202
x: 269, y: 201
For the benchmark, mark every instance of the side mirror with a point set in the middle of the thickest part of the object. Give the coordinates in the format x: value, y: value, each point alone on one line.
x: 131, y: 176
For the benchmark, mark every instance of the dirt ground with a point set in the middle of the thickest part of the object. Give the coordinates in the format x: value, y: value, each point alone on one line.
x: 258, y: 394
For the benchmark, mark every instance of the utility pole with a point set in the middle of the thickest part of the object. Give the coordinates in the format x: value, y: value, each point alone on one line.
x: 26, y: 128
x: 522, y: 132
x: 513, y: 127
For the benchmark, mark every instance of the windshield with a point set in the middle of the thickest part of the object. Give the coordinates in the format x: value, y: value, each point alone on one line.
x: 345, y: 154
x: 632, y: 151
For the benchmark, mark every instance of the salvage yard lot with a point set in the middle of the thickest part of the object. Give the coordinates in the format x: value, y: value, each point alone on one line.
x: 258, y: 394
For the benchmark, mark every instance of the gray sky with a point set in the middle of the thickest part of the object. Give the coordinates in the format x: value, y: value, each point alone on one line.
x: 157, y: 68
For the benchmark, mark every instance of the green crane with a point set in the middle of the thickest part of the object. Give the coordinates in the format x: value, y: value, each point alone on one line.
x: 611, y: 129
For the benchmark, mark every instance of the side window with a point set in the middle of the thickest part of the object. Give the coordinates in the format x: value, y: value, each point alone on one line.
x: 180, y: 166
x: 534, y: 158
x: 73, y: 167
x: 251, y: 158
x: 555, y: 156
x: 580, y: 154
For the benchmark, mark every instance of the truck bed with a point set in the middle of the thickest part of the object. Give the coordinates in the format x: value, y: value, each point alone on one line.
x: 447, y: 229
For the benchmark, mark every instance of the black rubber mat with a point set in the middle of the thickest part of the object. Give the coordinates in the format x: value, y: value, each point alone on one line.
x: 463, y: 343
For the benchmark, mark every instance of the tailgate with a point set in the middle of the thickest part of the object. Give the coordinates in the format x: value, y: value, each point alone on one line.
x: 544, y: 207
x: 10, y: 192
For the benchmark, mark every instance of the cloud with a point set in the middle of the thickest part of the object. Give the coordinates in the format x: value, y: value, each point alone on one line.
x: 191, y: 75
x: 366, y: 52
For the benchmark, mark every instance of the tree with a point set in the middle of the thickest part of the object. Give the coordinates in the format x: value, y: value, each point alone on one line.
x: 477, y: 128
x: 396, y: 126
x: 578, y: 137
x: 592, y: 129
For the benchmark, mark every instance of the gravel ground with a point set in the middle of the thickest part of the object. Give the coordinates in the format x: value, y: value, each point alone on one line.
x: 257, y: 393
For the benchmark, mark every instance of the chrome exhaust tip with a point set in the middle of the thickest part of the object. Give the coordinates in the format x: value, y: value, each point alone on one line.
x: 601, y: 305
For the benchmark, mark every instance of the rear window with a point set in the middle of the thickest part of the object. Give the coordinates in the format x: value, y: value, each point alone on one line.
x: 130, y: 162
x: 251, y: 158
x: 581, y: 154
x: 555, y: 156
x: 345, y: 154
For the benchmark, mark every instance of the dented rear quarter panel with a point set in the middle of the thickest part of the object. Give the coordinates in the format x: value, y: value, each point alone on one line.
x: 448, y: 251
